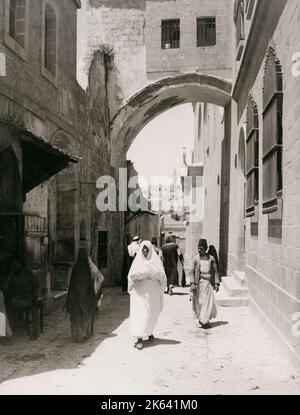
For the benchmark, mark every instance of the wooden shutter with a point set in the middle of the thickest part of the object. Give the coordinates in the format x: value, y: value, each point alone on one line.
x: 252, y: 161
x: 272, y: 136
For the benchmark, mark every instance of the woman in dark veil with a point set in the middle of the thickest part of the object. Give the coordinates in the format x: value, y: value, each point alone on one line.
x: 83, y: 293
x: 213, y: 252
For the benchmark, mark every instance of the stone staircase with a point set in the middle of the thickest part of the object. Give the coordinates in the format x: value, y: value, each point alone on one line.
x: 233, y: 291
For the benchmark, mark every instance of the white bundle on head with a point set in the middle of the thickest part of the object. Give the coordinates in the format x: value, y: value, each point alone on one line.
x: 149, y: 267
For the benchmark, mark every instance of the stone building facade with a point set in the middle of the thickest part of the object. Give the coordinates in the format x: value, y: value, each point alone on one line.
x: 144, y: 222
x: 208, y: 136
x: 262, y: 196
x: 119, y: 24
x: 236, y: 55
x: 196, y: 48
x: 54, y: 143
x: 266, y: 94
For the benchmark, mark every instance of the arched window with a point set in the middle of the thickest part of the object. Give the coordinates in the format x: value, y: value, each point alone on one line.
x: 50, y: 40
x: 252, y: 150
x: 272, y: 133
x: 239, y: 20
x: 17, y: 23
x: 242, y: 152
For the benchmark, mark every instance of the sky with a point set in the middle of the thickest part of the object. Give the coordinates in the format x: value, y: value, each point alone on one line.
x: 158, y: 149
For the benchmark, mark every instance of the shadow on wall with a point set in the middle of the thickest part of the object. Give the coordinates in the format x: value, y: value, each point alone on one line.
x: 225, y: 193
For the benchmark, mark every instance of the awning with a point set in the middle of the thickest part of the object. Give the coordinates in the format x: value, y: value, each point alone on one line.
x: 41, y: 160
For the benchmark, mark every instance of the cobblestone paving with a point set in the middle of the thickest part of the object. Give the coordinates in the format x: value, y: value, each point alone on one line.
x: 236, y: 356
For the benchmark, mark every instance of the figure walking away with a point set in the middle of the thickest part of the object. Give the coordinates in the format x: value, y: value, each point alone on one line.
x: 156, y: 249
x: 83, y: 294
x: 204, y: 278
x: 146, y: 284
x: 170, y: 260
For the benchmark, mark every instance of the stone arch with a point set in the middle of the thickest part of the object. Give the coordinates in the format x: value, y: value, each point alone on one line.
x: 161, y: 96
x: 158, y: 97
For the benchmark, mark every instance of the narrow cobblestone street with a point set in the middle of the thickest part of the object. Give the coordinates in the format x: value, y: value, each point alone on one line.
x: 235, y: 356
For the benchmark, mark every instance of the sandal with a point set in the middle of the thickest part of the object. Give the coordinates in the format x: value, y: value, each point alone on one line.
x: 139, y: 345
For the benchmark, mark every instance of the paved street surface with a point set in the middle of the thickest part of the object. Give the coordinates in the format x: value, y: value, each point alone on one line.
x: 236, y: 356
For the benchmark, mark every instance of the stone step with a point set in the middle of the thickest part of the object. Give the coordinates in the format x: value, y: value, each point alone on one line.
x: 233, y: 288
x: 240, y: 278
x: 223, y: 300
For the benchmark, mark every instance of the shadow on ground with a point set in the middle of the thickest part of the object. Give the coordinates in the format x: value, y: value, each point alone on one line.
x: 55, y: 349
x: 160, y: 342
x: 179, y: 294
x: 215, y: 324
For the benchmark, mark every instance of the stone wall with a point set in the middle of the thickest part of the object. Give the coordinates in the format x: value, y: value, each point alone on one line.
x: 121, y: 26
x: 273, y: 264
x: 62, y: 113
x: 212, y: 135
x: 216, y: 60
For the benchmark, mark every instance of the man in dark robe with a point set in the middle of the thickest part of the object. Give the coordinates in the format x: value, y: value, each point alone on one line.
x: 170, y: 260
x: 23, y: 290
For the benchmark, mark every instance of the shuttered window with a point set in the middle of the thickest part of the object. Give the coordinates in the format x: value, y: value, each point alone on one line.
x: 272, y: 133
x: 170, y: 34
x: 206, y: 31
x: 239, y: 19
x: 252, y: 151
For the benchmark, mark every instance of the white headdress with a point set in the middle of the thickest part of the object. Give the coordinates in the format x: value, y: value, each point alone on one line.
x: 149, y: 267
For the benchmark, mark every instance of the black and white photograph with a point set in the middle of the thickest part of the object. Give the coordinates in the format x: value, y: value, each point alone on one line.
x: 149, y: 200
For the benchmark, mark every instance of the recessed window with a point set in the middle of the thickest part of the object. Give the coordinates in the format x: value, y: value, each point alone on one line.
x: 206, y: 31
x: 102, y: 249
x: 272, y: 133
x: 249, y: 8
x: 239, y: 19
x: 252, y: 151
x: 17, y: 21
x: 170, y: 34
x: 50, y: 49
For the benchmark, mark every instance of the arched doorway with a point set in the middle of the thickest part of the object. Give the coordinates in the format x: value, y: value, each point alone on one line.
x: 161, y: 96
